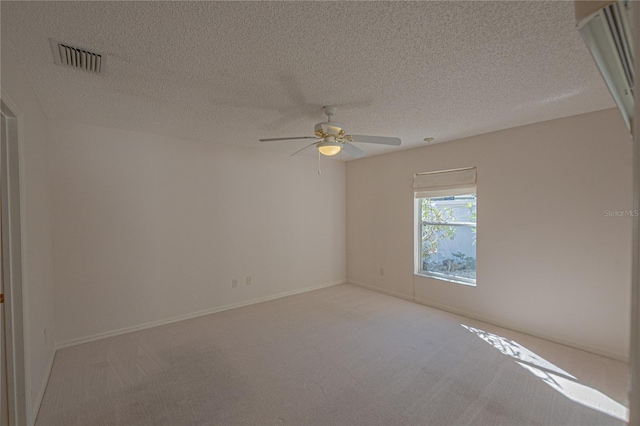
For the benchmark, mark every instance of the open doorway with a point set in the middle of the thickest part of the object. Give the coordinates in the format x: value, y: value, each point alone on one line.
x: 13, y: 382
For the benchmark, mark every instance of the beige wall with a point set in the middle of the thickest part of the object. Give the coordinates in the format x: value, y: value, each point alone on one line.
x: 36, y: 224
x: 550, y: 262
x: 149, y: 228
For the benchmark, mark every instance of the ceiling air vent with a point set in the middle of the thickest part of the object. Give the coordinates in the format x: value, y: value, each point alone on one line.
x: 75, y: 57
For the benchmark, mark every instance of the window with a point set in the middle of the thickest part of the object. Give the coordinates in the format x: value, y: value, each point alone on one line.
x: 447, y: 232
x: 446, y: 205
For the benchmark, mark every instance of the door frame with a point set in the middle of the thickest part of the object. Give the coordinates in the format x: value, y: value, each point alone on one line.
x: 15, y: 273
x: 634, y: 355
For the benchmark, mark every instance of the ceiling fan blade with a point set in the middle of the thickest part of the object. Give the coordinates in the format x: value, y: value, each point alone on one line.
x: 376, y: 139
x: 353, y: 150
x: 300, y: 150
x: 287, y: 139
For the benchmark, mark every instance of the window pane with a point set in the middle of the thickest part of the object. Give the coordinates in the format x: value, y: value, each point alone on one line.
x: 450, y: 251
x: 461, y: 208
x: 448, y: 248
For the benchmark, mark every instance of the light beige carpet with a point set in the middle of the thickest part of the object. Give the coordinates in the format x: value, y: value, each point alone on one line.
x: 338, y: 356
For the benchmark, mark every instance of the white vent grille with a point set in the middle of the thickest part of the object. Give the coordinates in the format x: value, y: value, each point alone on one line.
x: 74, y: 57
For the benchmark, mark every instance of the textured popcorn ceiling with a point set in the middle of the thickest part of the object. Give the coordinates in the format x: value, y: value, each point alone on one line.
x: 233, y: 72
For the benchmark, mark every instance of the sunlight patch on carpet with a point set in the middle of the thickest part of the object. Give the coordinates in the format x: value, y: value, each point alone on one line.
x: 554, y: 376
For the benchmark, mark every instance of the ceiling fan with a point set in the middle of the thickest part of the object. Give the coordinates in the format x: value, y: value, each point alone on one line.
x: 331, y: 138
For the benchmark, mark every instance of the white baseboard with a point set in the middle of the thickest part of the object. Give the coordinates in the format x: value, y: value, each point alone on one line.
x: 597, y: 351
x: 382, y: 290
x: 37, y: 402
x: 98, y: 336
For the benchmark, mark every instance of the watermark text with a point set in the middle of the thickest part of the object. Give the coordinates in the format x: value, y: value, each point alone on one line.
x: 621, y: 213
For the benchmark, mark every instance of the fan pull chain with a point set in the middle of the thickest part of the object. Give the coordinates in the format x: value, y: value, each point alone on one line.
x: 319, y: 171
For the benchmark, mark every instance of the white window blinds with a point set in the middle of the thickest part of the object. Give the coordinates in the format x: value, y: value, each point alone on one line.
x: 445, y: 183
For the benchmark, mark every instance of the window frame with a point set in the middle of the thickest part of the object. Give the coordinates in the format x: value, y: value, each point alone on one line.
x: 418, y: 236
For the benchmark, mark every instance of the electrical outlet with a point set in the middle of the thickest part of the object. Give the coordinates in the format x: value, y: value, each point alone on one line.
x: 248, y: 280
x: 234, y: 283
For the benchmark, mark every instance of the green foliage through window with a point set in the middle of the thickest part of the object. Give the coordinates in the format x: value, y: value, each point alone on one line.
x: 448, y: 235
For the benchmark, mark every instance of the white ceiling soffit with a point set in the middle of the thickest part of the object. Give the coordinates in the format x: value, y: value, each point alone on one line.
x: 233, y: 72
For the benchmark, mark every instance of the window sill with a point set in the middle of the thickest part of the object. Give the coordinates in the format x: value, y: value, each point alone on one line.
x: 440, y: 278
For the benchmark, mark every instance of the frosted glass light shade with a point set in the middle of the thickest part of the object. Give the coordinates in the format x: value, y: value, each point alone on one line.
x: 329, y: 148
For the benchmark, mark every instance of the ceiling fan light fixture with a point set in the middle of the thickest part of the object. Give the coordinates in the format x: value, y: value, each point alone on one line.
x: 332, y: 139
x: 329, y: 148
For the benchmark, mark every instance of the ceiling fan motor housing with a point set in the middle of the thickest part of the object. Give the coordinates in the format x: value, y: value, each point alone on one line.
x: 330, y: 128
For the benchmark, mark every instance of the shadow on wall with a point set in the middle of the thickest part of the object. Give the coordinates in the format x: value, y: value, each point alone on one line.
x: 554, y: 376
